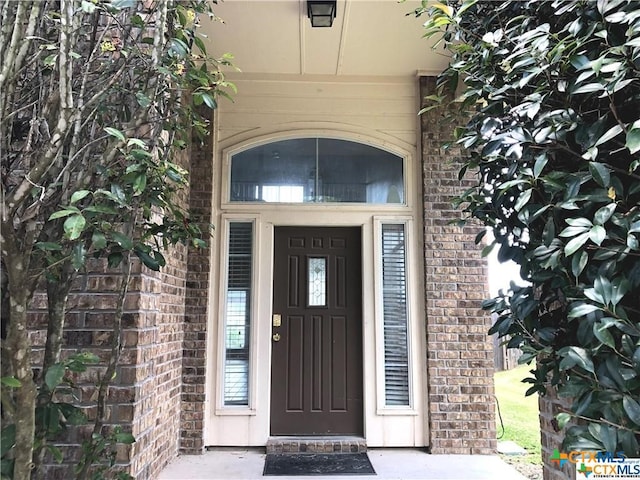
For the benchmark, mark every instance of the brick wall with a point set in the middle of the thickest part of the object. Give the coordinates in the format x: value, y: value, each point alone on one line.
x: 196, y: 302
x: 159, y: 338
x: 145, y: 395
x: 550, y: 406
x: 158, y: 371
x: 88, y: 327
x: 459, y: 351
x: 170, y: 381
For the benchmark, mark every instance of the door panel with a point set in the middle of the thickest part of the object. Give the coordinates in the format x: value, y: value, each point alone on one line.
x: 316, y: 366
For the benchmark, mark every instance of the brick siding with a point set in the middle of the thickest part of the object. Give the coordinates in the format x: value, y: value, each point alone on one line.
x: 158, y: 382
x: 160, y: 333
x: 459, y: 351
x: 550, y: 406
x: 88, y: 327
x: 196, y: 303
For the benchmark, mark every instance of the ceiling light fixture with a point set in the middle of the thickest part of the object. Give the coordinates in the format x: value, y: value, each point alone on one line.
x: 321, y: 12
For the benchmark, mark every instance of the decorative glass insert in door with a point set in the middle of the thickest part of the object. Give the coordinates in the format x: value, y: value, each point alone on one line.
x: 238, y: 314
x: 394, y: 288
x: 317, y: 170
x: 317, y: 282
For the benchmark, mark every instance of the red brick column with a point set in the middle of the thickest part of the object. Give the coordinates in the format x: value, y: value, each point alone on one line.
x: 459, y: 351
x: 159, y: 338
x: 196, y: 303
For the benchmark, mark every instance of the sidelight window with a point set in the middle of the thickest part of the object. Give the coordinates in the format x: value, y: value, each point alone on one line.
x: 395, y: 315
x: 238, y: 313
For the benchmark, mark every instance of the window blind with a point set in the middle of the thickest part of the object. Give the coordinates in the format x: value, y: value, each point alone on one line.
x: 238, y: 314
x: 394, y: 286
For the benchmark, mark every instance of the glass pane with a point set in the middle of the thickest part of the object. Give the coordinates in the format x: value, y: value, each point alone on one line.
x: 236, y: 376
x: 283, y: 193
x: 236, y: 319
x: 354, y: 172
x: 238, y: 314
x: 394, y: 286
x: 317, y: 170
x: 263, y: 173
x: 317, y: 284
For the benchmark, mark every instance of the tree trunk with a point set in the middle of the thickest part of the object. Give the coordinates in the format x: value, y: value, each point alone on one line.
x: 17, y: 345
x: 17, y: 349
x: 57, y: 295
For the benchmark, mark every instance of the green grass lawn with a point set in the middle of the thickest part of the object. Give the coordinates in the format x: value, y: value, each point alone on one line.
x: 519, y: 413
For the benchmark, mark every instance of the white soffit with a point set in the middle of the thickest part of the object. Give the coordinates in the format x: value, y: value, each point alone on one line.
x: 368, y: 38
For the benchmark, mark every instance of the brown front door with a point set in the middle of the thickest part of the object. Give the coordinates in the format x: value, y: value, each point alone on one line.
x: 316, y: 364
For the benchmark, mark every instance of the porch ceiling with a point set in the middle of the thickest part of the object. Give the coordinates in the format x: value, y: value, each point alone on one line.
x: 368, y: 38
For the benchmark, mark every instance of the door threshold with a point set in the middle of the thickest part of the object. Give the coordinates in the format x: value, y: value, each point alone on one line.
x: 316, y: 444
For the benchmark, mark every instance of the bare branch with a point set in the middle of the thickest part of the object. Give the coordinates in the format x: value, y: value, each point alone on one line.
x: 10, y: 55
x: 28, y: 36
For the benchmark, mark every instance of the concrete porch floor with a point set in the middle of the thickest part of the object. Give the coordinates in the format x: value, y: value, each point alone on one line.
x: 399, y: 464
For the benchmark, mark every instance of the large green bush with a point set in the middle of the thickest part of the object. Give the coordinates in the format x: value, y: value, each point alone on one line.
x: 552, y: 90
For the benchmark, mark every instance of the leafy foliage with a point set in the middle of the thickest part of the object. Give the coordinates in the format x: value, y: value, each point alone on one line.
x: 52, y: 414
x: 126, y: 119
x: 552, y: 93
x: 100, y: 453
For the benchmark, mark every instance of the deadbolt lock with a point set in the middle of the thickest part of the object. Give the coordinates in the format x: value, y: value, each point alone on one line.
x: 277, y: 319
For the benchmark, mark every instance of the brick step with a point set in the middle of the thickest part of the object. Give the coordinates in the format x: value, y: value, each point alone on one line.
x: 316, y: 445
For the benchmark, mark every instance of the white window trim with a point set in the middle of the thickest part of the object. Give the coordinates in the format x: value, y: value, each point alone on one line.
x: 382, y: 407
x: 220, y: 407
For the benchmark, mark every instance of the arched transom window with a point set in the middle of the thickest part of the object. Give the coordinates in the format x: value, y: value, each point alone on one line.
x: 317, y: 170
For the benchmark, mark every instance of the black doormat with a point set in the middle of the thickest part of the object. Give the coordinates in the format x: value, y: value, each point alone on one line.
x: 318, y: 464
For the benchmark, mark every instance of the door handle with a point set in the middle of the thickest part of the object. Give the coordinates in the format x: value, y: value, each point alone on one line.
x: 276, y: 337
